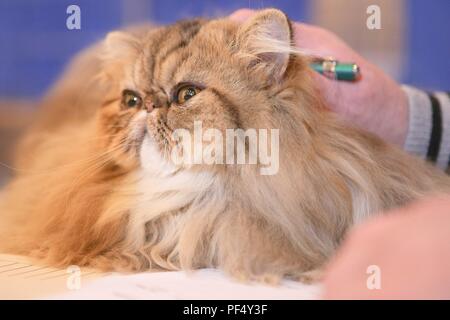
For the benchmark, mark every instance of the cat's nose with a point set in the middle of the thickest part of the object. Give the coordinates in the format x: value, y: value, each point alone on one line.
x: 156, y: 101
x: 149, y: 106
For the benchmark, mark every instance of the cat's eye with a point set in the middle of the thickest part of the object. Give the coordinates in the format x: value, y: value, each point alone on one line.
x: 185, y: 93
x: 131, y: 99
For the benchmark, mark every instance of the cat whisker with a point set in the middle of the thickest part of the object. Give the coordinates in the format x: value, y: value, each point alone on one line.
x: 94, y: 157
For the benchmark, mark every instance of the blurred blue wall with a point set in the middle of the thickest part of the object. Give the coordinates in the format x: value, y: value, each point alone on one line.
x: 35, y: 44
x: 428, y: 44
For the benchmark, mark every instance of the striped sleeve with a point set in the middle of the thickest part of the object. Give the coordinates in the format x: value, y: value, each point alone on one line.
x: 428, y: 133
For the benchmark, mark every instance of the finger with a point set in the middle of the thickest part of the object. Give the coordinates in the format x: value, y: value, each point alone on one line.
x: 327, y: 90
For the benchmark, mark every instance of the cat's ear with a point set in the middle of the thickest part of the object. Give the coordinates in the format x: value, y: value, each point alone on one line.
x: 119, y: 50
x: 120, y: 45
x: 265, y: 41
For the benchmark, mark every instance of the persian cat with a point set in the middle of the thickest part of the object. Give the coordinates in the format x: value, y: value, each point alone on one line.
x: 95, y: 184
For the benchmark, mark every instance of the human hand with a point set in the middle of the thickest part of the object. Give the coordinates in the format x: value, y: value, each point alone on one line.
x: 375, y: 103
x: 411, y: 248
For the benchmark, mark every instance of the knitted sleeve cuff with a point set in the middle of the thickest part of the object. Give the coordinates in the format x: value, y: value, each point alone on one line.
x: 419, y: 124
x: 444, y: 151
x: 428, y: 133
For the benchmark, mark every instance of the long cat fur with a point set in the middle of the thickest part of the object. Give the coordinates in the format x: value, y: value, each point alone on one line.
x: 85, y: 193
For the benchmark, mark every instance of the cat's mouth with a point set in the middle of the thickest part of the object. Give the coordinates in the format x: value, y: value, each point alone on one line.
x: 159, y: 133
x: 156, y: 147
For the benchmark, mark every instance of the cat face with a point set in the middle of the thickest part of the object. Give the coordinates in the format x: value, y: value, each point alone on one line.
x: 216, y: 73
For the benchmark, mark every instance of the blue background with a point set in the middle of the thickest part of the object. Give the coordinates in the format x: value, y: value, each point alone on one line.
x: 35, y: 43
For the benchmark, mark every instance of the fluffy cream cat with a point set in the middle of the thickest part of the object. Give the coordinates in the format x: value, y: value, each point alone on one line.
x: 95, y: 184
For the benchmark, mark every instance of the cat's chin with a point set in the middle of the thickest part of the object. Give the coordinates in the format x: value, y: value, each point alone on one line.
x: 152, y: 160
x: 149, y: 152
